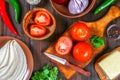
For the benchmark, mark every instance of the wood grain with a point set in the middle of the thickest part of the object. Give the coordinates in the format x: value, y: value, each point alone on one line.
x: 38, y: 47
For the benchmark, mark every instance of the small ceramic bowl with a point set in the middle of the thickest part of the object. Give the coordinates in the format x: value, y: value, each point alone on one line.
x: 29, y: 19
x: 113, y: 32
x: 63, y: 10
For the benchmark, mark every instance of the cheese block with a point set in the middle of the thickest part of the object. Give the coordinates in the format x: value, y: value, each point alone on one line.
x: 111, y: 64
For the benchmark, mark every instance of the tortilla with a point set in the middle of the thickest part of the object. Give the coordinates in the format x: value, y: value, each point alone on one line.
x: 21, y: 69
x: 13, y: 63
x: 4, y: 55
x: 8, y: 70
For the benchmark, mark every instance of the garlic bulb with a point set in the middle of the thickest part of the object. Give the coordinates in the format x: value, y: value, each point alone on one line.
x: 33, y: 2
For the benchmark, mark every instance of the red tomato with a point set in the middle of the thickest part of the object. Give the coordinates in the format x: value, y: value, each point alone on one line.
x: 79, y: 31
x: 60, y: 1
x: 63, y: 45
x: 82, y: 51
x: 37, y: 30
x: 42, y: 18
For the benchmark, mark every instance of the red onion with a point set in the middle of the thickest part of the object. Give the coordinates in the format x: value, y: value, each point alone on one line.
x: 77, y: 6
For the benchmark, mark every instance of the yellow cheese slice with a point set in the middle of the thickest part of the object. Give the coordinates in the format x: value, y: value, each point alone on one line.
x: 111, y: 64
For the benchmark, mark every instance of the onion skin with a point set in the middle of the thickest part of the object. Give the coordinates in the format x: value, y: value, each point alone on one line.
x: 77, y: 6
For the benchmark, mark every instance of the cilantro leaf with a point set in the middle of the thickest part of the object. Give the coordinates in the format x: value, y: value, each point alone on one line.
x: 47, y: 73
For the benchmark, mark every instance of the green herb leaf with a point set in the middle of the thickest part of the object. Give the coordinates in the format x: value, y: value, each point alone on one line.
x: 46, y: 73
x: 97, y: 41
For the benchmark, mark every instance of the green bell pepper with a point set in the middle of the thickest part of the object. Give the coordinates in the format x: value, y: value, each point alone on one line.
x: 103, y: 5
x: 96, y: 41
x: 15, y: 4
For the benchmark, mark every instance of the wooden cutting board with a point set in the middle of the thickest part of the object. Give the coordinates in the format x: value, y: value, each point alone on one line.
x: 97, y: 28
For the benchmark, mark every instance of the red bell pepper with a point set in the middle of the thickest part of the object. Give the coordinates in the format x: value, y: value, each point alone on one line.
x: 5, y: 17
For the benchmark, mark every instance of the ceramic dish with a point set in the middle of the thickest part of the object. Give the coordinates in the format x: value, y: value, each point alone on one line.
x: 28, y: 19
x: 27, y: 52
x: 63, y: 10
x: 113, y: 31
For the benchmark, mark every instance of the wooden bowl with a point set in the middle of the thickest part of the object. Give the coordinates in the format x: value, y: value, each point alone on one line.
x: 28, y: 19
x: 63, y: 10
x: 28, y: 54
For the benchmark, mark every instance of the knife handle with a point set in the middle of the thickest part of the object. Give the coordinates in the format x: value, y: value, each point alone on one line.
x: 78, y: 69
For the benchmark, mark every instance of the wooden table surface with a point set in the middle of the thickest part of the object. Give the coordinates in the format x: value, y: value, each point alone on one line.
x: 38, y: 47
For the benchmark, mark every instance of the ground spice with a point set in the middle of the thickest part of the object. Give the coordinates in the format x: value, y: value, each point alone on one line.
x: 113, y: 31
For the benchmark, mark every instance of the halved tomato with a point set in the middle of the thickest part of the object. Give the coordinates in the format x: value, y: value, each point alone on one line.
x: 80, y: 31
x: 63, y: 45
x: 42, y: 18
x: 82, y: 52
x: 37, y: 30
x: 61, y: 2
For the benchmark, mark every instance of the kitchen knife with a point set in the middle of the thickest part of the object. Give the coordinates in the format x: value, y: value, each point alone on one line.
x: 65, y: 62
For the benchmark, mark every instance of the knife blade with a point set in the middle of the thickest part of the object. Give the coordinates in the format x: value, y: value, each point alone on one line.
x: 65, y: 62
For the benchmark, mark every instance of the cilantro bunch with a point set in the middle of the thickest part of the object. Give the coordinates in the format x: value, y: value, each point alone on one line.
x: 47, y: 73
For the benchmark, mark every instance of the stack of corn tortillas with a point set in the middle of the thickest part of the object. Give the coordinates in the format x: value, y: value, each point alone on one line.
x: 13, y: 64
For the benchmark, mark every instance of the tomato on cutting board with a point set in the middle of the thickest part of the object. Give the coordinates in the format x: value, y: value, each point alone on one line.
x: 82, y: 51
x: 37, y: 30
x: 42, y: 18
x: 80, y: 31
x: 63, y: 45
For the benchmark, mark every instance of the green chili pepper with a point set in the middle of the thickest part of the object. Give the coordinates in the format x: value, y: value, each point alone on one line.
x: 103, y: 5
x: 16, y: 7
x: 96, y: 41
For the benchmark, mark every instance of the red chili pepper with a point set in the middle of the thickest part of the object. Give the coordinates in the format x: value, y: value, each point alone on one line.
x: 5, y: 17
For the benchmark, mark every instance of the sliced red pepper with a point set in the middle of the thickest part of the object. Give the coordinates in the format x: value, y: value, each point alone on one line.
x: 5, y: 17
